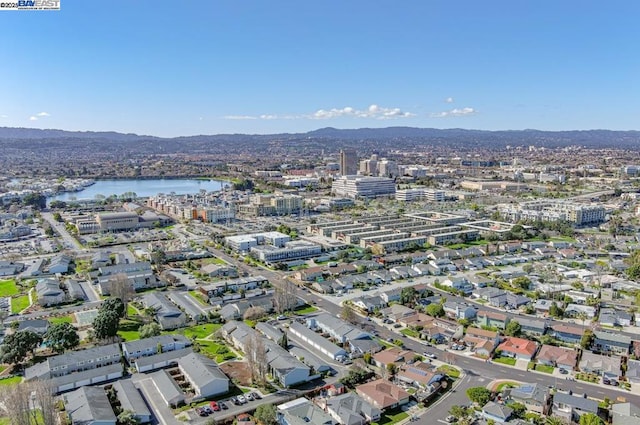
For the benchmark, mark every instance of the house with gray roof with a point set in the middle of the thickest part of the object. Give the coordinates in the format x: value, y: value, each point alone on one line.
x: 610, y: 343
x: 270, y: 331
x: 625, y: 414
x: 89, y: 405
x: 38, y: 326
x: 159, y: 361
x: 310, y: 359
x: 204, y: 375
x: 497, y: 412
x: 49, y: 293
x: 633, y: 371
x: 59, y: 264
x: 168, y: 315
x: 154, y: 345
x: 532, y: 326
x: 131, y: 399
x: 535, y: 397
x: 317, y: 342
x: 140, y: 276
x: 337, y: 328
x: 600, y: 365
x: 302, y: 412
x: 170, y: 392
x: 351, y: 409
x: 570, y: 407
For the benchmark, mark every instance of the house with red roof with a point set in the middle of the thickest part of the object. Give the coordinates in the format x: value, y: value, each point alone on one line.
x: 518, y: 348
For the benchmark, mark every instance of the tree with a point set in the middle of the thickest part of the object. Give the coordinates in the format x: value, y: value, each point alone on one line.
x: 113, y: 304
x: 16, y: 402
x: 519, y: 410
x: 513, y: 328
x: 554, y: 420
x: 149, y: 330
x: 121, y: 288
x: 284, y: 298
x: 256, y: 355
x: 284, y: 341
x: 105, y: 324
x: 254, y: 313
x: 158, y: 256
x: 587, y: 339
x: 555, y: 311
x: 458, y: 412
x: 266, y: 414
x: 435, y: 310
x: 17, y: 346
x: 348, y: 314
x: 61, y: 337
x: 36, y: 200
x: 392, y: 369
x: 479, y: 395
x: 521, y: 282
x: 128, y: 417
x: 408, y: 295
x: 590, y: 419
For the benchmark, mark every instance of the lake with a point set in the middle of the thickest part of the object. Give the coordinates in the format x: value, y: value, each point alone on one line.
x: 142, y: 188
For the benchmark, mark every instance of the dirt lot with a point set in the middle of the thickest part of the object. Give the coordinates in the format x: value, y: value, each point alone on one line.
x: 238, y: 372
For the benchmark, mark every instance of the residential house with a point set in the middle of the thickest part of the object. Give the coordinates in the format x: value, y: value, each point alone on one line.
x: 543, y: 306
x: 391, y: 295
x: 612, y: 317
x: 270, y: 331
x: 49, y: 293
x: 337, y: 328
x: 576, y: 310
x: 219, y: 270
x: 316, y: 342
x: 160, y: 360
x: 310, y: 359
x: 610, y: 343
x: 154, y: 345
x: 633, y: 371
x: 536, y: 398
x: 625, y: 414
x: 130, y: 399
x: 518, y: 348
x: 570, y: 407
x: 204, y: 375
x: 168, y: 389
x: 396, y: 312
x: 77, y: 368
x: 499, y: 413
x: 492, y: 319
x: 416, y: 320
x: 495, y: 297
x: 515, y: 301
x: 532, y: 326
x: 455, y: 310
x: 442, y: 330
x: 392, y: 355
x: 566, y: 333
x: 420, y: 375
x: 59, y: 264
x: 459, y: 283
x: 369, y: 303
x: 38, y: 326
x: 139, y: 275
x: 480, y: 281
x: 383, y: 394
x: 89, y: 406
x: 482, y: 342
x: 168, y: 315
x: 560, y: 357
x: 302, y: 412
x: 350, y: 409
x: 600, y: 365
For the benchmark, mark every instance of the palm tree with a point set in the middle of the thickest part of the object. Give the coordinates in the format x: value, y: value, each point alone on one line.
x: 553, y: 420
x: 590, y: 419
x: 582, y: 316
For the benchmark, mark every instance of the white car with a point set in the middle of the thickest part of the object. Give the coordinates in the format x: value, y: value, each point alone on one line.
x: 241, y: 399
x: 430, y: 355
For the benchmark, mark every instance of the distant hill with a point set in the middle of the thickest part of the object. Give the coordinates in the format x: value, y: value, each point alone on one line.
x: 421, y: 136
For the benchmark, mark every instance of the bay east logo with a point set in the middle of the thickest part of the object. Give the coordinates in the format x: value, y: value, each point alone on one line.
x: 30, y: 5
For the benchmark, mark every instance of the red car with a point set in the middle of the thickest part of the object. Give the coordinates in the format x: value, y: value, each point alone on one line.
x: 214, y: 406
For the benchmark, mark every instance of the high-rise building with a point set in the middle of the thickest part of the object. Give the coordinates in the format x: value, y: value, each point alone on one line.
x: 348, y: 162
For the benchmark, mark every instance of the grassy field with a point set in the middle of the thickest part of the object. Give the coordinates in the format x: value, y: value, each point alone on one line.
x: 128, y: 330
x: 132, y: 310
x: 410, y: 332
x: 198, y: 297
x: 8, y: 288
x: 215, y: 350
x: 505, y: 360
x: 543, y: 368
x: 20, y: 303
x: 12, y: 380
x: 452, y: 372
x: 200, y: 331
x: 306, y: 310
x: 61, y: 319
x: 391, y: 417
x: 213, y: 260
x: 506, y: 384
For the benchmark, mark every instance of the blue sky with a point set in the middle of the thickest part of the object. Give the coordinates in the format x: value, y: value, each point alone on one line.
x: 185, y: 67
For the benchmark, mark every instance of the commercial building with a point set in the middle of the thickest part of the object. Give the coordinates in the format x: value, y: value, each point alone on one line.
x: 363, y: 187
x: 554, y: 210
x: 420, y: 194
x: 348, y: 162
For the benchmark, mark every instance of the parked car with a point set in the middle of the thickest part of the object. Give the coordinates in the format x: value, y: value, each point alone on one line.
x: 564, y: 371
x: 201, y: 412
x: 223, y: 405
x: 249, y: 397
x: 256, y: 396
x: 207, y: 409
x: 241, y: 399
x: 430, y: 355
x: 214, y: 406
x: 234, y: 400
x: 450, y: 418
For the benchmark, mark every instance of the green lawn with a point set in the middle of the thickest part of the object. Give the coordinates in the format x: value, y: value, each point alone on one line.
x: 410, y: 332
x: 505, y: 360
x: 391, y: 417
x: 8, y: 288
x: 213, y: 260
x: 132, y: 311
x: 200, y: 331
x: 61, y: 319
x: 11, y: 380
x: 452, y: 372
x: 20, y: 303
x: 307, y: 310
x: 128, y: 330
x: 215, y: 350
x: 543, y: 368
x: 198, y: 297
x: 506, y: 384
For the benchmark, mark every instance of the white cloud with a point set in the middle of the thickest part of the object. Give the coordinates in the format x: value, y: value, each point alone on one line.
x: 239, y: 117
x: 449, y: 100
x: 33, y: 118
x: 373, y: 111
x: 456, y: 112
x: 43, y: 114
x: 4, y: 116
